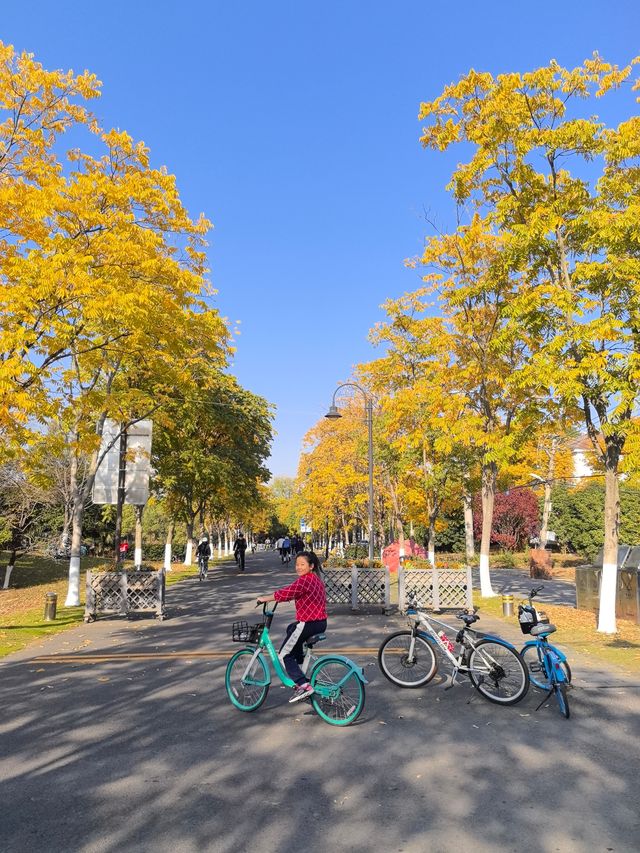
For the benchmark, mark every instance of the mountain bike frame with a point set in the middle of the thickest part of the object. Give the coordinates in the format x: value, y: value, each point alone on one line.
x: 422, y: 627
x: 265, y: 643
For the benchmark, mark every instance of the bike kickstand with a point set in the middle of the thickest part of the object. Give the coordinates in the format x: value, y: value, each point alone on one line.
x: 548, y: 696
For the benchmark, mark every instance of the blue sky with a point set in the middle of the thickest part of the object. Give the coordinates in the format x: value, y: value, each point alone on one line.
x: 293, y: 126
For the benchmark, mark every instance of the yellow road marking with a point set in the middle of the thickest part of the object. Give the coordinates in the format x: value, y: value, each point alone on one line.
x: 152, y: 656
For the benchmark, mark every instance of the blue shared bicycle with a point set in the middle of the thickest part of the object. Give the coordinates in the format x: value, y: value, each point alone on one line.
x: 547, y: 666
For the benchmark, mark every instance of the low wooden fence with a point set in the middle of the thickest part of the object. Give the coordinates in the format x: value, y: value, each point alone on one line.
x: 435, y: 589
x: 357, y: 587
x: 122, y: 593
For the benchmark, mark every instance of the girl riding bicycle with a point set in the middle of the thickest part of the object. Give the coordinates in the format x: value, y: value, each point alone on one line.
x: 310, y: 597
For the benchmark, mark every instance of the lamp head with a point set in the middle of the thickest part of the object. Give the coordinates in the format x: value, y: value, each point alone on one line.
x: 333, y: 412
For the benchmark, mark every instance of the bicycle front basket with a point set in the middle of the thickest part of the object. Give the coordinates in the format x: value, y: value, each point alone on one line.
x: 527, y: 617
x: 240, y: 632
x: 255, y: 632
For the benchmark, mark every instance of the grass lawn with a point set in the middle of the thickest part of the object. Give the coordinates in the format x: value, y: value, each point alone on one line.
x: 577, y: 630
x: 22, y: 605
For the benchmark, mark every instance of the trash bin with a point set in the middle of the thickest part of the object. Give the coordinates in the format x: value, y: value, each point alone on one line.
x: 50, y: 605
x: 589, y: 578
x: 628, y: 595
x: 507, y: 605
x: 588, y: 587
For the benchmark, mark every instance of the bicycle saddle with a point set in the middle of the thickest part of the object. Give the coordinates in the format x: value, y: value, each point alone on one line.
x: 543, y: 628
x: 317, y: 638
x: 468, y: 618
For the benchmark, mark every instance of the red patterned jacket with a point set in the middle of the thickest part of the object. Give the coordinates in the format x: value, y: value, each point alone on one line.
x: 309, y: 595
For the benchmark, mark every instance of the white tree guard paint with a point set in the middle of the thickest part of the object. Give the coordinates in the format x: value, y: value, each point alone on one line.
x: 607, y: 617
x: 7, y: 575
x: 73, y: 592
x: 137, y: 557
x: 167, y: 557
x: 432, y: 556
x: 188, y: 554
x: 486, y: 590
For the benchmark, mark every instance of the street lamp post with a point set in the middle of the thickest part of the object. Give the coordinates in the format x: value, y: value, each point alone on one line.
x: 333, y: 413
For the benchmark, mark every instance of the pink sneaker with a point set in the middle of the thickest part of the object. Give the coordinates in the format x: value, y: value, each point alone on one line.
x: 302, y: 691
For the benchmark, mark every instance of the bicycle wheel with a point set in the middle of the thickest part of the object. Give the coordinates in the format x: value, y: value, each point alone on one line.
x: 560, y: 689
x: 498, y: 672
x: 247, y: 690
x: 536, y: 670
x: 399, y: 668
x: 343, y: 700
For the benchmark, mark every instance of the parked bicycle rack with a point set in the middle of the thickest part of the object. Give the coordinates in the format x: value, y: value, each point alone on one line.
x: 122, y: 593
x: 358, y: 587
x: 436, y: 588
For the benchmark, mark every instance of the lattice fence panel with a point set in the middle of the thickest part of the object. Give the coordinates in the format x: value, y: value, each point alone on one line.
x: 143, y: 590
x: 418, y: 584
x: 338, y: 586
x: 124, y: 592
x: 106, y: 593
x: 371, y: 586
x: 452, y: 588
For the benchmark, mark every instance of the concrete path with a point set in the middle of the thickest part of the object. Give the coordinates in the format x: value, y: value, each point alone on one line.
x: 127, y: 742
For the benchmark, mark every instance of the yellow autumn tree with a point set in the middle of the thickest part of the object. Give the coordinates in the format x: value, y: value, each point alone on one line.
x: 37, y: 107
x: 103, y: 279
x: 562, y: 191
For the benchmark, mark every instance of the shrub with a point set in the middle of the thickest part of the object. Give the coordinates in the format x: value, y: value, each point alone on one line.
x: 515, y: 518
x: 357, y: 551
x: 337, y: 562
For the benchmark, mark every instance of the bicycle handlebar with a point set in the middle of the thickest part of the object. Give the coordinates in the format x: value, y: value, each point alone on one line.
x: 264, y: 607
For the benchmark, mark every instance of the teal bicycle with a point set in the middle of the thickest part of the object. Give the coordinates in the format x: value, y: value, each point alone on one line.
x: 338, y: 682
x: 547, y: 666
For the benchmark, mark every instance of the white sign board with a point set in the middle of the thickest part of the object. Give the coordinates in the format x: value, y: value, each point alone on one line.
x: 105, y: 486
x: 305, y: 526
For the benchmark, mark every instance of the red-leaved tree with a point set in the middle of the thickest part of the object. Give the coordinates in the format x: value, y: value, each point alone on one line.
x: 516, y: 517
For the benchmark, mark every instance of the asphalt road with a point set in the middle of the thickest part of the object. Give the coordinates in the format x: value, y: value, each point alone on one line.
x: 519, y: 583
x: 118, y: 736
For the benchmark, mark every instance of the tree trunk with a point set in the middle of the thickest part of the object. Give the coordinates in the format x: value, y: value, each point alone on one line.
x: 73, y: 590
x: 468, y: 526
x: 399, y: 528
x: 137, y: 557
x: 489, y: 474
x: 66, y: 530
x: 546, y: 509
x: 609, y: 585
x: 188, y: 554
x: 431, y: 542
x: 11, y: 566
x: 168, y: 546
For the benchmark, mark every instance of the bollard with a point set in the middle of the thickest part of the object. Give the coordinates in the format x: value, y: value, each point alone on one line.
x: 507, y: 605
x: 50, y: 604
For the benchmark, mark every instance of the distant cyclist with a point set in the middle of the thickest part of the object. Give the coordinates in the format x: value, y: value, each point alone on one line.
x: 285, y: 551
x: 239, y: 548
x: 203, y: 552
